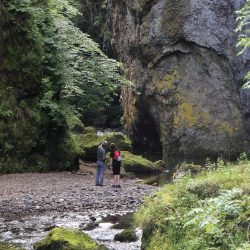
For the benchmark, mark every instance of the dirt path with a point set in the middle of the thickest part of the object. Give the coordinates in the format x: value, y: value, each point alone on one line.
x: 26, y: 194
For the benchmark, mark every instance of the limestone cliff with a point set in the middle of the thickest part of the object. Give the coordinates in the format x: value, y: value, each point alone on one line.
x: 181, y: 55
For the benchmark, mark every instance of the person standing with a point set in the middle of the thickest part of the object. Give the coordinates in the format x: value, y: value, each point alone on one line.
x: 115, y: 156
x: 100, y: 168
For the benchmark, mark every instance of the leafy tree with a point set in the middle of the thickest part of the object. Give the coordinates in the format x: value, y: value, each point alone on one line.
x: 92, y: 81
x: 243, y: 28
x: 51, y: 73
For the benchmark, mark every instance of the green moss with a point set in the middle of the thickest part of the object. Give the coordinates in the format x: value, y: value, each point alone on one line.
x: 90, y: 130
x: 67, y: 239
x: 9, y: 246
x: 139, y: 165
x: 127, y: 235
x: 164, y: 217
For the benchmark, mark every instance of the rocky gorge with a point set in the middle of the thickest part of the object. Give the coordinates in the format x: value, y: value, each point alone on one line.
x: 163, y: 81
x: 183, y: 60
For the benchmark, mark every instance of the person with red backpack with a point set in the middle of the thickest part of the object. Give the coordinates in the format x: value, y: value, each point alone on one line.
x: 116, y: 158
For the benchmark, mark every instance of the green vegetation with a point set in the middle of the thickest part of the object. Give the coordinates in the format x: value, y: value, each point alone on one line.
x: 94, y: 21
x: 208, y: 211
x: 88, y: 142
x: 53, y: 77
x: 127, y: 235
x: 189, y: 168
x: 9, y: 246
x: 139, y: 165
x: 67, y: 239
x: 244, y: 31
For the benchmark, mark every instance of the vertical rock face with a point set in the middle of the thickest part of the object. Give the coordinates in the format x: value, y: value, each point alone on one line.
x: 181, y: 56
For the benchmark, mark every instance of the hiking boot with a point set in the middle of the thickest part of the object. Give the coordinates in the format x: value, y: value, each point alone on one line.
x: 113, y: 186
x: 118, y: 186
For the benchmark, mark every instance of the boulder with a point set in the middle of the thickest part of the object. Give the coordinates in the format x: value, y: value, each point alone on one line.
x: 67, y: 239
x: 139, y: 165
x: 127, y: 235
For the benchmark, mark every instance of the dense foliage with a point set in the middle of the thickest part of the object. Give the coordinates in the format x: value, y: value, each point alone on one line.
x: 207, y: 211
x: 244, y: 31
x: 95, y: 22
x: 52, y: 77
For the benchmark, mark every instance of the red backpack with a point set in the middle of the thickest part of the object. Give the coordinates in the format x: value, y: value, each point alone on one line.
x: 117, y: 155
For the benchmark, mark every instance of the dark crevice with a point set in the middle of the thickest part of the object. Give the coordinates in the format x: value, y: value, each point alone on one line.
x: 146, y: 135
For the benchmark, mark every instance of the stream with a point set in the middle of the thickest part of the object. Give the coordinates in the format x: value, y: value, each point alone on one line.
x: 101, y: 227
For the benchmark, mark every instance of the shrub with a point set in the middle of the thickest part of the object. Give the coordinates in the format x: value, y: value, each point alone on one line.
x: 206, y: 211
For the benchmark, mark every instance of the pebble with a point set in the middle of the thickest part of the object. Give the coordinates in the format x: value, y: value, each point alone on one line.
x: 48, y: 192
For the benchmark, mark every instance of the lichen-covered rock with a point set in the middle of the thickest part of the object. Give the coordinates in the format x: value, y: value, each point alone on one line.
x: 127, y: 235
x: 182, y: 58
x: 139, y: 165
x: 67, y: 239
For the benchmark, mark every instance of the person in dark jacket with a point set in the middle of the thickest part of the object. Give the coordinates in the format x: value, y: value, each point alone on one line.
x: 115, y: 156
x: 100, y: 168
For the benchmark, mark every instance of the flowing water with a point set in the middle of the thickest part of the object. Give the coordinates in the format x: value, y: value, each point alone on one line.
x: 100, y: 226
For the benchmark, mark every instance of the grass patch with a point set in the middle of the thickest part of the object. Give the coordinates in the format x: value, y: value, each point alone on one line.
x: 208, y: 211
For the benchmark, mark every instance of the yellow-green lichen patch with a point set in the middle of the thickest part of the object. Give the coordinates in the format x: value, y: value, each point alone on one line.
x: 167, y: 82
x: 190, y: 115
x: 226, y: 128
x: 67, y: 239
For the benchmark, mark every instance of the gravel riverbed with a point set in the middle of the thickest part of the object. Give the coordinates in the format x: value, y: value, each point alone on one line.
x: 26, y: 194
x: 33, y: 203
